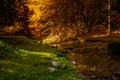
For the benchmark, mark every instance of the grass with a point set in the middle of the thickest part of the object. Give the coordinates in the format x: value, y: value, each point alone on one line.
x: 29, y: 64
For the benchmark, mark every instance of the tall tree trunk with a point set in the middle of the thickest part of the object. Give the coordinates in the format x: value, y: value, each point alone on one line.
x: 109, y: 26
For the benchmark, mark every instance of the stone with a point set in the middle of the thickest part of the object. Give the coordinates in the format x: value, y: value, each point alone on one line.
x: 72, y: 54
x: 73, y: 62
x: 114, y: 48
x: 55, y: 63
x: 52, y: 69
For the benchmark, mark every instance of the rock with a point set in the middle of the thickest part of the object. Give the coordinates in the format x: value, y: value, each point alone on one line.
x: 114, y: 48
x: 93, y: 68
x: 52, y: 69
x: 56, y: 64
x: 72, y: 54
x: 73, y: 62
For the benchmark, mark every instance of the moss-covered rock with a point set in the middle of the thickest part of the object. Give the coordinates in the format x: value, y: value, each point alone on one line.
x: 114, y: 48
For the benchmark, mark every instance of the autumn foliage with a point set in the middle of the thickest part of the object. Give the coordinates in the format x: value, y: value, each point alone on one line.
x: 43, y: 19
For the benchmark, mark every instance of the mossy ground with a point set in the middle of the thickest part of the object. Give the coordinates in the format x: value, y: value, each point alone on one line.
x: 32, y: 62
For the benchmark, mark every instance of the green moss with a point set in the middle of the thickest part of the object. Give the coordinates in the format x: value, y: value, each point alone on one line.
x: 22, y: 64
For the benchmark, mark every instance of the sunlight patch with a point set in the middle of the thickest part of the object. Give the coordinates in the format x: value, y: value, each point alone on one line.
x: 44, y: 54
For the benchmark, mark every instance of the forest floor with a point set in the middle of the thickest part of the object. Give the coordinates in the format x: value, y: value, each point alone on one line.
x: 92, y: 59
x: 88, y: 56
x: 23, y: 59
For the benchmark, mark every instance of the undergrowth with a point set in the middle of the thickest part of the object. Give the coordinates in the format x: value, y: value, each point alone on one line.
x: 23, y: 64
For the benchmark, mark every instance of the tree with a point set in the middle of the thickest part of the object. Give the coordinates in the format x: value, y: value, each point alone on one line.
x: 13, y: 12
x: 109, y: 19
x: 8, y: 13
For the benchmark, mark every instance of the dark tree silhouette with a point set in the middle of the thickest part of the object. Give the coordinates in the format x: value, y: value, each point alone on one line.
x: 8, y: 13
x: 12, y: 11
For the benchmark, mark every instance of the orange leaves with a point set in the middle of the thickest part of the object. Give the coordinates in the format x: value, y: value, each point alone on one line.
x: 12, y: 29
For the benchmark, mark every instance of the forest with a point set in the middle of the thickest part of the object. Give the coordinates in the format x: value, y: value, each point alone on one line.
x: 59, y: 40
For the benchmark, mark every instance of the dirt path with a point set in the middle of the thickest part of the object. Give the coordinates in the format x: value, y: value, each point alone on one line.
x: 92, y: 59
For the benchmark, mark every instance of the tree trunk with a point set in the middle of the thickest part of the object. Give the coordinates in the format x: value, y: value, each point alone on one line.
x: 109, y: 26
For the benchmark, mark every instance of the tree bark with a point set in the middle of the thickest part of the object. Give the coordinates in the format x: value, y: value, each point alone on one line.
x: 109, y: 26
